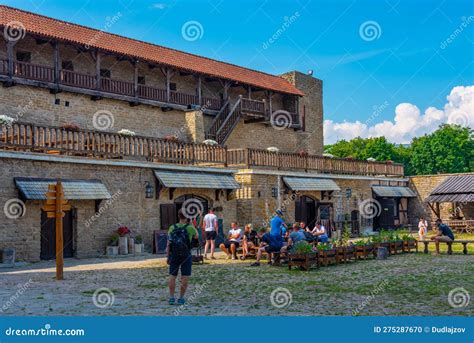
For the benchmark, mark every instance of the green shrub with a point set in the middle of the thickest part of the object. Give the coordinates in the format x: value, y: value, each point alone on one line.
x: 302, y: 247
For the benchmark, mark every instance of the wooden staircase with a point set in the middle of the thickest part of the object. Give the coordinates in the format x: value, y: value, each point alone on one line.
x: 225, y: 121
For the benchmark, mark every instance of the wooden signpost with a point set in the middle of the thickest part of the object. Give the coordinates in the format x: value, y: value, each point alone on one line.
x: 55, y: 207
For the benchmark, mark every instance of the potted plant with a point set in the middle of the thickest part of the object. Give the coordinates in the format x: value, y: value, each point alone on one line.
x: 139, y: 246
x: 210, y: 142
x: 273, y: 149
x: 125, y: 132
x: 303, y: 153
x: 113, y: 245
x: 70, y: 126
x: 6, y: 120
x: 376, y: 241
x: 123, y: 233
x: 172, y: 138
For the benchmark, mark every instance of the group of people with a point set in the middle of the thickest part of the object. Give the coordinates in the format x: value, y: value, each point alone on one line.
x: 279, y: 239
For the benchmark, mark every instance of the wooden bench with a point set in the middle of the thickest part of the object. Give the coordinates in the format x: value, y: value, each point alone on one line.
x: 464, y: 242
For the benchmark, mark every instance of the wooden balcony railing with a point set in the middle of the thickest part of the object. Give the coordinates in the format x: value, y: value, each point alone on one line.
x: 250, y: 158
x: 255, y: 106
x: 72, y: 78
x: 55, y: 140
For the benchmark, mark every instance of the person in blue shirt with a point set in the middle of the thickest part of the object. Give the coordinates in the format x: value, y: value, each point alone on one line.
x: 296, y: 235
x: 270, y: 244
x: 277, y: 224
x: 445, y: 234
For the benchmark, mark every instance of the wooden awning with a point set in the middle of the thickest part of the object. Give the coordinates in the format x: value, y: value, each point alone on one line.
x: 310, y: 184
x: 457, y: 188
x: 36, y: 188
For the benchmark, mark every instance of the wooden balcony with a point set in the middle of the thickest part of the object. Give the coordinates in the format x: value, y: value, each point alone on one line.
x: 259, y: 111
x: 251, y: 158
x: 98, y: 144
x: 41, y: 73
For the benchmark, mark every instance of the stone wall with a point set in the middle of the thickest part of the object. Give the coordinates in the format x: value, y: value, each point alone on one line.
x: 129, y: 207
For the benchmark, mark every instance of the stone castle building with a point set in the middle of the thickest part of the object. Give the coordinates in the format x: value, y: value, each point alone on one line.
x: 136, y: 131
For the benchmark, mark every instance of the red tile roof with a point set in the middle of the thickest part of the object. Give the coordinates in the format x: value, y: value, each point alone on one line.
x: 61, y: 30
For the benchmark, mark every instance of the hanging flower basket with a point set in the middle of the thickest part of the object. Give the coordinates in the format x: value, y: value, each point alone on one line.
x: 371, y: 159
x: 303, y: 153
x: 125, y: 132
x: 389, y: 162
x: 273, y: 149
x: 210, y: 142
x: 6, y: 120
x: 328, y: 155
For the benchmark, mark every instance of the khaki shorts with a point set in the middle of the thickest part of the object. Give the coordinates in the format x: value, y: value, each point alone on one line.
x: 443, y: 239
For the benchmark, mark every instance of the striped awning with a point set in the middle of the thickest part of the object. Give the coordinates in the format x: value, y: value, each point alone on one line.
x: 310, y: 184
x: 393, y: 191
x: 36, y: 188
x: 195, y: 179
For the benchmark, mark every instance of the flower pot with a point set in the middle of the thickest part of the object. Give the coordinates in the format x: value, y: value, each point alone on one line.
x: 131, y: 245
x: 123, y: 245
x: 112, y: 251
x: 139, y: 248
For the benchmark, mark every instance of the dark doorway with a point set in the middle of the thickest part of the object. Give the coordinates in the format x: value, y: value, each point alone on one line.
x: 191, y: 199
x: 48, y: 236
x: 305, y: 211
x: 388, y: 213
x: 325, y: 216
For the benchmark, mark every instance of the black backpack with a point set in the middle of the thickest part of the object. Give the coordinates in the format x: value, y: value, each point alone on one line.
x: 180, y: 245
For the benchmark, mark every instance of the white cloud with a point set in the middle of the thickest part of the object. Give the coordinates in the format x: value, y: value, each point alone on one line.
x: 159, y: 6
x: 408, y: 122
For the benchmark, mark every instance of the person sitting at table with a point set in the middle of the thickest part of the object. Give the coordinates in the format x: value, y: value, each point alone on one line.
x: 319, y: 232
x: 445, y: 234
x: 248, y: 240
x: 303, y: 226
x: 295, y: 236
x: 233, y: 242
x: 270, y: 244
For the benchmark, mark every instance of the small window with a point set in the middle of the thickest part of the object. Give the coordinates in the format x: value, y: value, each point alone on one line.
x: 173, y: 86
x: 23, y: 56
x: 67, y: 65
x: 57, y: 101
x: 141, y: 80
x: 66, y: 103
x: 105, y: 73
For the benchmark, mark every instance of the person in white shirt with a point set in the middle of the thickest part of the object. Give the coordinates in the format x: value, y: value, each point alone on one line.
x: 210, y: 226
x: 233, y: 242
x: 422, y: 228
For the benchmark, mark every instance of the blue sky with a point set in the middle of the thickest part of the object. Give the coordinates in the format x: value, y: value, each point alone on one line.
x: 407, y: 61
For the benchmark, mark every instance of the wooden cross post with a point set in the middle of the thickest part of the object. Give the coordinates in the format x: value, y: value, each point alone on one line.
x: 55, y: 207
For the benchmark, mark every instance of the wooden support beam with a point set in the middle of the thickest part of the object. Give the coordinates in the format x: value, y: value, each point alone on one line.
x: 57, y: 66
x: 199, y: 89
x: 270, y: 107
x: 135, y: 79
x: 10, y: 45
x: 98, y: 77
x: 249, y: 92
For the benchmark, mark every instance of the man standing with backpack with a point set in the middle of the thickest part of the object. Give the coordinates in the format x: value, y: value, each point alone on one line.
x: 178, y: 250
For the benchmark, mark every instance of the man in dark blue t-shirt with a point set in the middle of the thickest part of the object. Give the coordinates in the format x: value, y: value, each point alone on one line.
x: 445, y: 234
x: 270, y: 244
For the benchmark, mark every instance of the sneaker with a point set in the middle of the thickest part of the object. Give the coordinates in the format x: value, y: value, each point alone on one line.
x: 234, y: 258
x: 172, y: 301
x: 242, y: 258
x: 255, y: 264
x: 181, y: 301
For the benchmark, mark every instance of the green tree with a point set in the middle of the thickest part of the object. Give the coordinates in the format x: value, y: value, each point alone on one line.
x: 449, y: 149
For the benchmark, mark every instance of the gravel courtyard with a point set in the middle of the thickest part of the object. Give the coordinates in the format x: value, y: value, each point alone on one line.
x: 410, y: 284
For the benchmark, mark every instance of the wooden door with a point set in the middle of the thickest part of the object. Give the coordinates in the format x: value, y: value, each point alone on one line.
x: 168, y: 215
x: 48, y: 236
